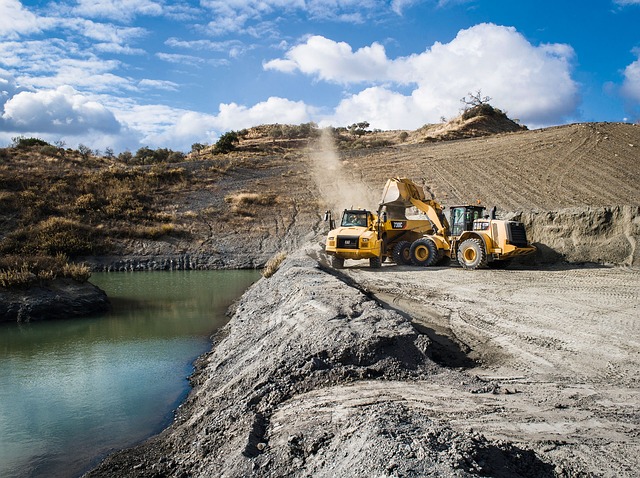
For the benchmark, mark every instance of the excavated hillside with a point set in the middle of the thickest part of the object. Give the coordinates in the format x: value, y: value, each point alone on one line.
x: 240, y: 210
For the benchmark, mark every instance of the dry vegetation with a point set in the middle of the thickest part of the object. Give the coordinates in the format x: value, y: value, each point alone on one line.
x: 24, y: 271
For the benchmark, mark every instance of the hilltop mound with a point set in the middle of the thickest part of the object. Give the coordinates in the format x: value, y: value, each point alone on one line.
x: 480, y: 120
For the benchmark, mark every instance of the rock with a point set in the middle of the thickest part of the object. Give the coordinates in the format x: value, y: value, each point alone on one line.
x: 57, y: 299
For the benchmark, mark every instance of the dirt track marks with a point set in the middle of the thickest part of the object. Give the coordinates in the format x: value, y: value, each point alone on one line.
x: 582, y: 164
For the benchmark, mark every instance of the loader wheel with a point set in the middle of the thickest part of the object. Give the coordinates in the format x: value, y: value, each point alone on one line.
x: 471, y: 254
x: 424, y: 252
x: 375, y: 262
x: 337, y: 262
x: 402, y: 253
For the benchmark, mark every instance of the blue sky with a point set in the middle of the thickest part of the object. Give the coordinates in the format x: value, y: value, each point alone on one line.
x: 130, y: 73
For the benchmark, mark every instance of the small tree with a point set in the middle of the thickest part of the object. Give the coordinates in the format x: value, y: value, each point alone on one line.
x: 85, y: 151
x: 359, y: 129
x: 196, y: 148
x: 226, y: 143
x: 476, y: 99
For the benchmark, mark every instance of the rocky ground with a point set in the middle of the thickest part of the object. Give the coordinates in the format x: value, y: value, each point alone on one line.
x: 405, y: 372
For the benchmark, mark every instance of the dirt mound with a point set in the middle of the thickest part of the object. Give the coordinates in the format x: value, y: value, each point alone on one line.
x: 283, y: 394
x: 480, y: 120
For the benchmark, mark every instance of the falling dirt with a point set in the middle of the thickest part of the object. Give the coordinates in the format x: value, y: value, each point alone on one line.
x: 337, y: 184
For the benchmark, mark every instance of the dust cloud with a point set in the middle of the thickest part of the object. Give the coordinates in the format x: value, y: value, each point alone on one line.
x: 339, y: 182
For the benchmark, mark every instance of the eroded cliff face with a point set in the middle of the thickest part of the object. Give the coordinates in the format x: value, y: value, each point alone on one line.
x: 307, y: 380
x: 605, y: 235
x: 58, y: 299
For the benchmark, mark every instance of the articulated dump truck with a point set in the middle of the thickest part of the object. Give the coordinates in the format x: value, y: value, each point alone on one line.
x: 470, y: 236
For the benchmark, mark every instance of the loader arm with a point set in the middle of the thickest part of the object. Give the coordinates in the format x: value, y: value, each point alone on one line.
x: 433, y: 210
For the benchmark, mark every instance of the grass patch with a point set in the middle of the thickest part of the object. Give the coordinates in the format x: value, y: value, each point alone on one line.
x: 273, y: 264
x: 248, y: 204
x: 25, y: 271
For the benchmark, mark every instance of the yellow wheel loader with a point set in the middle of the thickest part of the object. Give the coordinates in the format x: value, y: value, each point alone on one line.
x: 471, y: 237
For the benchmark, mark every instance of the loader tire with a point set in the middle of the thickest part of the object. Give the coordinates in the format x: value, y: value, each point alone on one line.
x: 424, y: 252
x: 375, y: 263
x: 337, y: 262
x: 471, y: 254
x: 402, y: 253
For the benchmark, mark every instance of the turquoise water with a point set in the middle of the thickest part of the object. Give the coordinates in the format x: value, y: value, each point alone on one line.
x: 71, y: 391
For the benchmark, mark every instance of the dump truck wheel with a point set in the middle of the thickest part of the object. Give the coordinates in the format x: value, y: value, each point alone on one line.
x: 424, y: 252
x: 402, y: 253
x: 375, y: 263
x: 337, y: 262
x: 471, y: 254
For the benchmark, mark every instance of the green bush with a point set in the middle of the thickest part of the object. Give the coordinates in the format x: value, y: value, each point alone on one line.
x: 21, y: 142
x: 226, y: 143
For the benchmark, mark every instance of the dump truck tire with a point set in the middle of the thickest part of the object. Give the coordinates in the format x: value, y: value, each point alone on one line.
x: 424, y: 252
x: 337, y: 262
x: 375, y: 263
x: 471, y: 254
x: 402, y: 253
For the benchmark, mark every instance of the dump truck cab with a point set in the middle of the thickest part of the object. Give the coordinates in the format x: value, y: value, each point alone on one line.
x: 355, y: 238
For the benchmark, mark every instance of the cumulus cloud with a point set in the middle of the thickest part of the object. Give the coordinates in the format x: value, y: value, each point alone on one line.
x: 532, y: 82
x: 179, y: 129
x: 334, y: 61
x: 63, y: 111
x: 274, y: 110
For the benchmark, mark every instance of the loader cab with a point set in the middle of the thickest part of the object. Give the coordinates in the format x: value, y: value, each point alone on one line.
x: 355, y: 218
x: 462, y: 218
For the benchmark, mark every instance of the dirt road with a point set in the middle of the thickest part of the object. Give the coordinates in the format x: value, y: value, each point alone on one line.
x: 559, y: 349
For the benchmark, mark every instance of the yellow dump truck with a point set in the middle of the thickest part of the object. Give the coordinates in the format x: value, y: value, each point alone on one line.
x: 470, y: 236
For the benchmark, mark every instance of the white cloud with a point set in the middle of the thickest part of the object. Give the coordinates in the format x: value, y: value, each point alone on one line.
x: 15, y: 20
x: 163, y: 126
x: 334, y: 61
x: 533, y: 83
x: 275, y: 110
x: 631, y: 85
x: 159, y: 84
x: 627, y: 2
x: 398, y: 6
x: 63, y: 111
x: 235, y: 15
x: 383, y: 108
x: 122, y: 10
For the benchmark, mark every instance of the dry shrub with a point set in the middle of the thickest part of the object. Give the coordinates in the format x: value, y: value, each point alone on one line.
x: 273, y: 264
x: 244, y: 204
x: 55, y: 235
x: 23, y: 271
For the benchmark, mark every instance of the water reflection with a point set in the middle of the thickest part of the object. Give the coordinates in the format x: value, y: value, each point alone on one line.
x: 73, y: 390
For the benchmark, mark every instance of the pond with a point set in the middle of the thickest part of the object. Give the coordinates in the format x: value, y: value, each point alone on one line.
x: 72, y: 391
